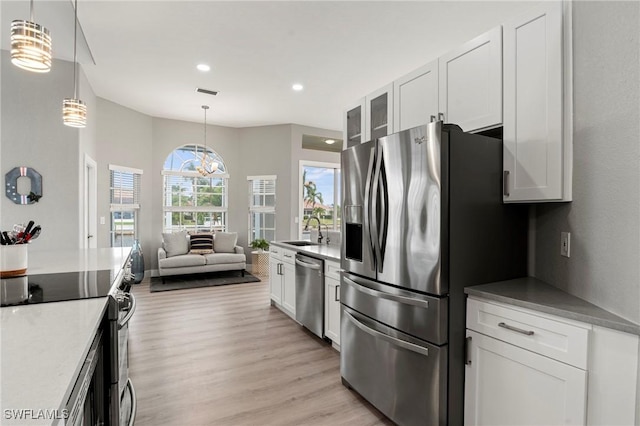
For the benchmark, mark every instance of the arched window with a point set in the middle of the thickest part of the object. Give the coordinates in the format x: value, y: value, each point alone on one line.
x: 191, y: 201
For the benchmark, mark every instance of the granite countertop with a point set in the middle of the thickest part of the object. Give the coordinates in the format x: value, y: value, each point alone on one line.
x: 43, y: 346
x: 537, y: 295
x: 321, y: 251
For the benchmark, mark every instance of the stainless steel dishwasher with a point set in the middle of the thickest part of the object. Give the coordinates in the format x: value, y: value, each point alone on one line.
x: 310, y: 293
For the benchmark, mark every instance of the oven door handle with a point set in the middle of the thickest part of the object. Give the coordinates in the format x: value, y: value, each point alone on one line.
x: 389, y: 339
x: 132, y: 309
x: 134, y: 403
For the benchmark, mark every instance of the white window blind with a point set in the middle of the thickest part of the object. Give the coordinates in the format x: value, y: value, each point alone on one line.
x: 125, y: 204
x: 262, y: 207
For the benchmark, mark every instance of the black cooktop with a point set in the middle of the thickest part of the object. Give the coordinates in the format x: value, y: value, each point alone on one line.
x: 44, y: 288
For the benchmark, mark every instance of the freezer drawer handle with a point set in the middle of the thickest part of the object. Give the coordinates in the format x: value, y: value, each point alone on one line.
x: 389, y: 339
x: 132, y: 309
x: 394, y: 297
x: 516, y: 329
x: 307, y: 265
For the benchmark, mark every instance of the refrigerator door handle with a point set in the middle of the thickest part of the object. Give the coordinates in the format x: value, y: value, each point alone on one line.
x: 389, y: 339
x: 384, y: 212
x: 367, y: 202
x: 382, y: 295
x: 373, y: 224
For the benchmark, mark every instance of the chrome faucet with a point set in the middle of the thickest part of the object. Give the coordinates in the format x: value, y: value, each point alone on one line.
x: 306, y: 227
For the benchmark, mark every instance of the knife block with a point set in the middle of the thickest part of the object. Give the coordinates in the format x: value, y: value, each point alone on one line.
x: 13, y: 260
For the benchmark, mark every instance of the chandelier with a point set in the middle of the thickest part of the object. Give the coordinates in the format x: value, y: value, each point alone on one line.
x: 30, y: 45
x: 207, y: 166
x: 74, y: 111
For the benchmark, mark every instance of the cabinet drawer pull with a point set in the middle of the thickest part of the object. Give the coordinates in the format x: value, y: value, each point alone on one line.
x: 516, y: 329
x: 505, y: 183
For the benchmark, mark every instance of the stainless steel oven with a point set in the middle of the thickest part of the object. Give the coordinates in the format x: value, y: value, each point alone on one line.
x: 122, y: 396
x: 86, y: 405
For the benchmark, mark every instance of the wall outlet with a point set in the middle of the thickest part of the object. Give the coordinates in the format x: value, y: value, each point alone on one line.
x: 565, y: 244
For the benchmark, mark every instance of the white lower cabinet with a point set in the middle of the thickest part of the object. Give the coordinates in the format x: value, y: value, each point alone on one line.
x: 282, y: 279
x: 509, y: 385
x: 275, y: 279
x: 525, y: 367
x: 332, y: 301
x: 289, y: 288
x: 332, y: 310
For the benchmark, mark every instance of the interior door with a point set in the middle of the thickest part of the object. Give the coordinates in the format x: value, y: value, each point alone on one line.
x: 89, y: 225
x: 407, y: 196
x: 357, y: 164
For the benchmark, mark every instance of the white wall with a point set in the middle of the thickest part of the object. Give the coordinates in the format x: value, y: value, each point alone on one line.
x: 604, y: 217
x: 125, y: 139
x: 33, y: 135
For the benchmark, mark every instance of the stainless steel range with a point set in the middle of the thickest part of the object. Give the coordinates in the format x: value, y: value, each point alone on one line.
x: 122, y: 396
x: 422, y: 219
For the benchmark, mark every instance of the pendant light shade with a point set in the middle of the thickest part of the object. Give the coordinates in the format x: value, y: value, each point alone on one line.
x: 30, y: 45
x: 74, y: 111
x: 207, y: 166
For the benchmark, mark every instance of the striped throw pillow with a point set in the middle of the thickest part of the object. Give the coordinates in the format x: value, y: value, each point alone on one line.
x: 201, y: 243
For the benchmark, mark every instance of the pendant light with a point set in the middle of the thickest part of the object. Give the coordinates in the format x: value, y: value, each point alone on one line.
x: 30, y: 45
x: 207, y: 166
x: 74, y: 111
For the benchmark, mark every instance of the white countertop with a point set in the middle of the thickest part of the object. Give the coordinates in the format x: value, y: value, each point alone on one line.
x: 323, y: 251
x: 43, y: 346
x: 46, y: 262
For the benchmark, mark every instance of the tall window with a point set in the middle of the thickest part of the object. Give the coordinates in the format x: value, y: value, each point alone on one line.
x: 190, y: 201
x: 262, y: 207
x: 320, y: 195
x: 125, y: 205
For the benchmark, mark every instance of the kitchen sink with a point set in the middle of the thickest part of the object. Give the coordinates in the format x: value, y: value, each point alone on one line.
x: 300, y: 243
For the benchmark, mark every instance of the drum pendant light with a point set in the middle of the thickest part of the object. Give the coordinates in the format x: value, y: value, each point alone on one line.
x: 74, y: 111
x: 30, y: 45
x: 207, y: 166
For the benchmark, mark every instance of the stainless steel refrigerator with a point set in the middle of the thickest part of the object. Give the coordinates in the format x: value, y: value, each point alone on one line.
x: 422, y: 219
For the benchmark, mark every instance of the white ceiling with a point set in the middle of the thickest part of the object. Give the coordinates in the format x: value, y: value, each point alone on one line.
x: 146, y: 51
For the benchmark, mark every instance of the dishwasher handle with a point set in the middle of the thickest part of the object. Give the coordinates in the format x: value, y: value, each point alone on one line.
x: 308, y: 265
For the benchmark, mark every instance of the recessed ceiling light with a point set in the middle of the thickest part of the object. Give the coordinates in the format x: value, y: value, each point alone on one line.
x: 297, y: 87
x: 330, y: 141
x: 203, y: 67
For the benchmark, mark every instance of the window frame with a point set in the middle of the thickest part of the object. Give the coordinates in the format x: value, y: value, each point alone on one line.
x: 336, y: 191
x: 121, y: 208
x: 223, y: 210
x: 255, y: 209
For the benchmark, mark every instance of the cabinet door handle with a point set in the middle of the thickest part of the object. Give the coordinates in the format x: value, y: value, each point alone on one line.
x: 505, y: 183
x: 279, y: 268
x: 516, y: 329
x: 336, y: 296
x: 467, y: 351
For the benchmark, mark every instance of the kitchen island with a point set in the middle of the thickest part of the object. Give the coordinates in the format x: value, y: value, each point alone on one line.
x: 43, y: 346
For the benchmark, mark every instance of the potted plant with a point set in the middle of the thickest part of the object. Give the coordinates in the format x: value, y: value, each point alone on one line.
x: 261, y: 244
x: 260, y: 259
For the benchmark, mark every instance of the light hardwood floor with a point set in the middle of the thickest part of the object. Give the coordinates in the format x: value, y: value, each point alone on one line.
x: 224, y: 356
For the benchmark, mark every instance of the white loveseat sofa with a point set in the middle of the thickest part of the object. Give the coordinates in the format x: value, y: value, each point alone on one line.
x: 175, y: 256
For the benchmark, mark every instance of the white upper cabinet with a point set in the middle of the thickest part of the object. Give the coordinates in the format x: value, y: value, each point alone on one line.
x: 415, y: 97
x: 471, y: 83
x: 379, y: 113
x: 537, y: 157
x: 354, y: 124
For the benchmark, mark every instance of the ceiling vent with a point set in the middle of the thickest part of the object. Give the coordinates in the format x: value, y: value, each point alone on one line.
x: 208, y: 92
